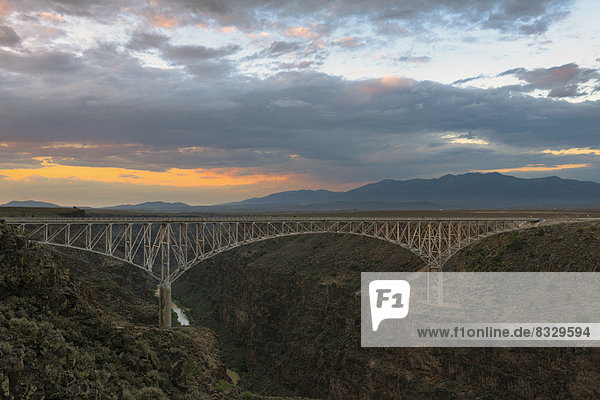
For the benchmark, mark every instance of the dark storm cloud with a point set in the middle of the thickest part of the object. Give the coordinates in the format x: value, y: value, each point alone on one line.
x: 203, y: 113
x: 261, y: 122
x: 8, y: 37
x: 562, y: 81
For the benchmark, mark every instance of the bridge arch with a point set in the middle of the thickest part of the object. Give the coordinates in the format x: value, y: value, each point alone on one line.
x: 238, y: 245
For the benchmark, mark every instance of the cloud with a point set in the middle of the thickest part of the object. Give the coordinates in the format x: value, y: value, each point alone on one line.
x: 191, y: 54
x: 517, y: 17
x: 8, y: 37
x: 304, y: 55
x: 278, y: 48
x: 529, y: 18
x: 211, y: 69
x: 561, y: 81
x: 348, y: 42
x: 121, y: 90
x: 130, y: 176
x: 5, y: 9
x: 174, y: 177
x: 228, y: 29
x: 339, y: 130
x: 48, y: 63
x: 300, y: 31
x: 535, y: 168
x: 573, y: 151
x: 162, y: 21
x: 52, y: 17
x: 390, y: 19
x: 143, y: 41
x: 203, y: 62
x: 290, y: 103
x: 297, y: 65
x: 414, y: 60
x: 71, y: 146
x: 386, y: 84
x: 467, y: 139
x: 469, y: 79
x: 197, y: 60
x: 238, y: 114
x: 98, y: 8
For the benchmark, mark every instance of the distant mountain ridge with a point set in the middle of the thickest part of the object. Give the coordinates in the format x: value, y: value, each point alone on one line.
x: 155, y: 206
x: 477, y: 190
x: 29, y: 203
x: 291, y: 196
x: 465, y: 191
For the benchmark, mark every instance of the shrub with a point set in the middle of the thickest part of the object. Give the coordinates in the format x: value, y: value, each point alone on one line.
x: 151, y: 393
x: 515, y: 242
x: 23, y: 327
x: 222, y: 386
x: 354, y: 266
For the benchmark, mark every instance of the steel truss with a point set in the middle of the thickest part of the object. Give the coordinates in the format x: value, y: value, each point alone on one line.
x: 166, y: 248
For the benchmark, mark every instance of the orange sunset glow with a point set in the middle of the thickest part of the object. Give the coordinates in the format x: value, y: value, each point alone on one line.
x: 175, y: 177
x: 532, y: 168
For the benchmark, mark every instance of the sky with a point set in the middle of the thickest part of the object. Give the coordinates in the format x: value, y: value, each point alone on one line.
x: 107, y: 102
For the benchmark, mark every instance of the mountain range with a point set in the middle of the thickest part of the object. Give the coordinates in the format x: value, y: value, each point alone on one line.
x: 466, y: 191
x: 29, y: 203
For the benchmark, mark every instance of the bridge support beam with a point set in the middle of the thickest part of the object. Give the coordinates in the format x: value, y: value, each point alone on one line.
x: 164, y: 305
x: 435, y: 285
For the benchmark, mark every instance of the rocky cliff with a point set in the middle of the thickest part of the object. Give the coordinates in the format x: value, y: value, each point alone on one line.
x: 288, y: 314
x: 87, y: 332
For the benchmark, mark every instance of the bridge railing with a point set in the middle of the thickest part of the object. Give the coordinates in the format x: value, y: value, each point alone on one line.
x: 13, y: 220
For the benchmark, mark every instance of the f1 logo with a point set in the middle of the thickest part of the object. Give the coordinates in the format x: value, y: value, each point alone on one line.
x: 389, y: 300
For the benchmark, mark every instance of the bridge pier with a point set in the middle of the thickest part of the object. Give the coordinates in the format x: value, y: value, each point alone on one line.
x: 164, y: 305
x: 435, y: 286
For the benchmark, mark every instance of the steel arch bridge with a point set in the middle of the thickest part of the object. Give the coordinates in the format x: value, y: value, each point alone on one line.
x: 165, y: 248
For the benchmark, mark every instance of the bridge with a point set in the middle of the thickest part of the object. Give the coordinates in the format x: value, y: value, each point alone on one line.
x: 165, y: 248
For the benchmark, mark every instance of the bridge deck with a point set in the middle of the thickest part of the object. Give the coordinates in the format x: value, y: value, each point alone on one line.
x: 166, y: 219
